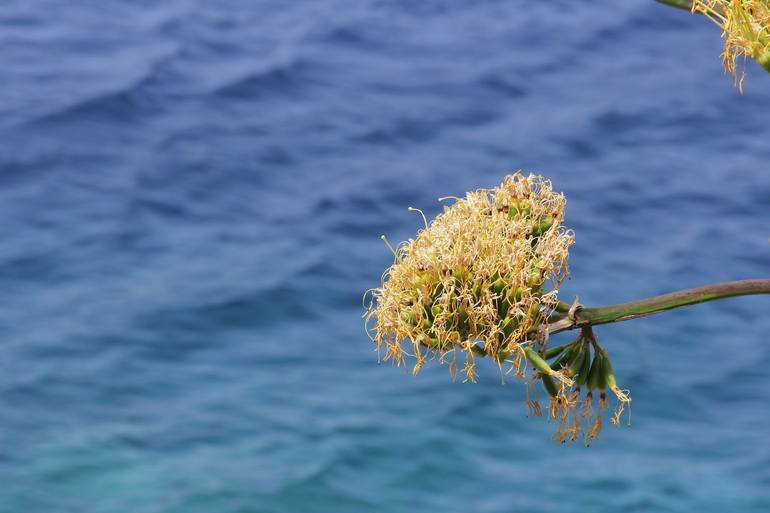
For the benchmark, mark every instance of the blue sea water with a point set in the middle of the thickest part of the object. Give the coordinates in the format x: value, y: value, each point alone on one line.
x: 191, y: 199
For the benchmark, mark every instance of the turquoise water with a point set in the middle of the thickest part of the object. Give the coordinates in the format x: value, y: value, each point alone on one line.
x: 191, y: 199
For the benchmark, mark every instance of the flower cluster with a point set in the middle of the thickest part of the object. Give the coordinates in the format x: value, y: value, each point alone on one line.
x: 482, y: 280
x: 474, y: 280
x: 745, y: 28
x: 575, y: 414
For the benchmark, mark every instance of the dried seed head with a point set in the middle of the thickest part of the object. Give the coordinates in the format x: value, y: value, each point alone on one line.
x: 480, y: 280
x: 745, y: 28
x: 485, y: 271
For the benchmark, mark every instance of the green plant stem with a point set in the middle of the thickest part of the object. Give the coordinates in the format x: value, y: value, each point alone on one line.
x: 625, y: 311
x: 681, y: 4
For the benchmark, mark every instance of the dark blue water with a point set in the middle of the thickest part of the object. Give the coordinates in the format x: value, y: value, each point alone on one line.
x: 191, y: 199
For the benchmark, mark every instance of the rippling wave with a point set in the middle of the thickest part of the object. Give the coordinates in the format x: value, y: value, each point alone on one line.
x: 191, y: 200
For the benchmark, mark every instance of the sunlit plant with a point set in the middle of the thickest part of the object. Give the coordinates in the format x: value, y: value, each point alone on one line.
x: 745, y: 28
x: 482, y: 280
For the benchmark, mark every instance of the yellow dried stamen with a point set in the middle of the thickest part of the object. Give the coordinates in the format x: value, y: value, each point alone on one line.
x: 477, y: 272
x: 424, y: 219
x: 596, y: 429
x: 624, y: 399
x: 745, y: 28
x: 554, y: 407
x: 481, y: 279
x: 419, y: 363
x: 587, y: 414
x: 385, y: 240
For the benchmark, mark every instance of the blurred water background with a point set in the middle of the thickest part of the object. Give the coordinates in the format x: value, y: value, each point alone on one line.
x: 191, y: 199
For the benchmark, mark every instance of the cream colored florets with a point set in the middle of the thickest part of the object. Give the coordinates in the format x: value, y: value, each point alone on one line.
x: 745, y: 28
x: 479, y: 280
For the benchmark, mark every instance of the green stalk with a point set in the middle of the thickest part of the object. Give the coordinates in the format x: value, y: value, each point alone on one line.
x: 648, y: 306
x: 681, y: 4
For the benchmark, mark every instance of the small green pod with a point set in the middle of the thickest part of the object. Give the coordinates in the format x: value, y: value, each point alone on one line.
x: 461, y: 277
x: 602, y: 385
x: 537, y: 361
x: 582, y: 376
x: 502, y: 308
x: 555, y: 351
x: 510, y: 298
x: 462, y: 314
x: 514, y: 294
x: 566, y: 356
x: 521, y: 206
x: 609, y: 373
x: 549, y: 385
x: 572, y: 356
x: 577, y: 362
x: 508, y: 325
x: 542, y: 226
x: 595, y: 371
x: 498, y: 286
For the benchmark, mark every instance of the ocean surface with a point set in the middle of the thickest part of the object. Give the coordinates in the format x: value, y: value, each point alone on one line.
x: 191, y: 199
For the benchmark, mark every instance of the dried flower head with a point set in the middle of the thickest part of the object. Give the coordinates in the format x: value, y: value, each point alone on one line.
x: 476, y: 279
x: 482, y: 280
x: 745, y: 28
